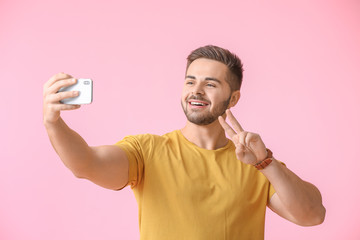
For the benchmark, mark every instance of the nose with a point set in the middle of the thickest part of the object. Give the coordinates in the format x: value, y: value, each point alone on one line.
x: 198, y: 89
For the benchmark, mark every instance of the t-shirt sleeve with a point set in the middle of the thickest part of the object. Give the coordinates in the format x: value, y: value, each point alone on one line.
x: 271, y: 191
x: 134, y: 149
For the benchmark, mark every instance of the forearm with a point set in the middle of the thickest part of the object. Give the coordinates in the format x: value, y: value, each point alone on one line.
x: 70, y: 146
x: 301, y: 199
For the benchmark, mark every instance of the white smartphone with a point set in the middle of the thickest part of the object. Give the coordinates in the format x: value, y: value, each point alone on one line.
x: 85, y: 88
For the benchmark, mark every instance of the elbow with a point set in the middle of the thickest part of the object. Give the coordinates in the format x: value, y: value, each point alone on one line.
x: 315, y: 218
x: 321, y: 216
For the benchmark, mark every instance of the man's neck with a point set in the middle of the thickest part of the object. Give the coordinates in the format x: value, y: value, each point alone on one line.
x: 211, y: 136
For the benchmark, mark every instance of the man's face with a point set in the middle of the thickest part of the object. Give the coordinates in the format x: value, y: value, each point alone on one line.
x: 206, y: 93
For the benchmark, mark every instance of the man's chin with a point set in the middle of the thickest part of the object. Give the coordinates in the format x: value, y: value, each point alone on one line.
x: 199, y: 118
x: 202, y: 121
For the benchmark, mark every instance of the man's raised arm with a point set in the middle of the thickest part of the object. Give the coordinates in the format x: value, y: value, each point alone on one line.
x: 296, y: 200
x: 106, y: 165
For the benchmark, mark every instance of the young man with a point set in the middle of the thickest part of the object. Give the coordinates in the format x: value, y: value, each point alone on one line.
x: 192, y: 183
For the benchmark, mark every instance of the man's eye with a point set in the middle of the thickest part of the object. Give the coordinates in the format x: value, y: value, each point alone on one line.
x: 189, y: 83
x: 210, y: 85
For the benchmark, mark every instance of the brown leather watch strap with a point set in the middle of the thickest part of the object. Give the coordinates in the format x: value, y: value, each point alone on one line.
x: 264, y: 163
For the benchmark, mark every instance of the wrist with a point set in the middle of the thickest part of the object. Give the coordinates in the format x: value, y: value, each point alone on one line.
x: 50, y: 125
x: 266, y: 162
x: 53, y: 127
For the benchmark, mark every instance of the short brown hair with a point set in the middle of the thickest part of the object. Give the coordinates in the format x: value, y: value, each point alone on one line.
x: 232, y: 61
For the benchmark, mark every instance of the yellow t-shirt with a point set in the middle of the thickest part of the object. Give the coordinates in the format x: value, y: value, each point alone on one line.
x: 187, y: 192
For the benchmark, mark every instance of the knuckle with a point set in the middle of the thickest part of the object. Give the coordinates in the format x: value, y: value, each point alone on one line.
x: 65, y: 107
x: 55, y: 108
x: 61, y: 74
x: 55, y: 77
x: 57, y: 85
x: 45, y: 90
x: 46, y: 99
x: 58, y: 97
x: 51, y: 108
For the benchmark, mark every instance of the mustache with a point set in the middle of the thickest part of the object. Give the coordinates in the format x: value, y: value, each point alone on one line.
x: 197, y: 97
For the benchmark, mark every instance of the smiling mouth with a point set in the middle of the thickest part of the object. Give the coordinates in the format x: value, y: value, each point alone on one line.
x: 197, y: 103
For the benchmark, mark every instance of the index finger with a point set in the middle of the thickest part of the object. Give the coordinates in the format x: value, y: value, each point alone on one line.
x: 55, y: 78
x: 233, y: 121
x: 226, y: 127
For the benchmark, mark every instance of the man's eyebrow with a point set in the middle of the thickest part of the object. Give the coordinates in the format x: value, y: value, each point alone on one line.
x: 189, y: 76
x: 207, y: 78
x: 213, y: 79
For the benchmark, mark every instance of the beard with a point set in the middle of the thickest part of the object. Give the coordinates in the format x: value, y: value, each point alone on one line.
x: 204, y: 116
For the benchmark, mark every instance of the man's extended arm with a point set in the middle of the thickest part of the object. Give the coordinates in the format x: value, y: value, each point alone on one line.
x: 106, y: 166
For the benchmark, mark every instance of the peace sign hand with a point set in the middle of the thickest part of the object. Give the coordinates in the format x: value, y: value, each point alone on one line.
x: 250, y: 148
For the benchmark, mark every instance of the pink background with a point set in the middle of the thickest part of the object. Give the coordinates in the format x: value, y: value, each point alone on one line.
x: 300, y: 93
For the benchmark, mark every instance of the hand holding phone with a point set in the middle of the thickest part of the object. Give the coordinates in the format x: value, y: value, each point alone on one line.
x: 85, y: 88
x: 62, y: 92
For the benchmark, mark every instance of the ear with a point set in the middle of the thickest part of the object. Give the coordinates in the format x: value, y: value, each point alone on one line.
x: 235, y: 96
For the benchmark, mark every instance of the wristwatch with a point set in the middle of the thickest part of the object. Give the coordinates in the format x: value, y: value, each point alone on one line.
x: 264, y: 163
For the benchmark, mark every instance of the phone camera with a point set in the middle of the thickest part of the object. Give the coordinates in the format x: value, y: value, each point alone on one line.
x: 86, y: 82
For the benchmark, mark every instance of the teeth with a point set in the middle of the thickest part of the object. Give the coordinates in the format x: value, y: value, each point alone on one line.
x: 197, y: 103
